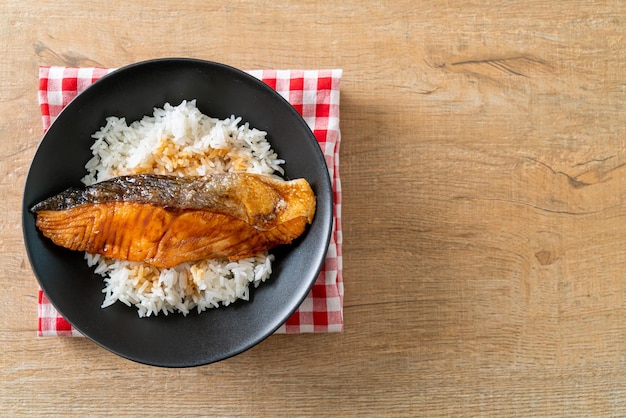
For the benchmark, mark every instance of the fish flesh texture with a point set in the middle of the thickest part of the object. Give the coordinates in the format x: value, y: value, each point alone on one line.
x: 168, y: 220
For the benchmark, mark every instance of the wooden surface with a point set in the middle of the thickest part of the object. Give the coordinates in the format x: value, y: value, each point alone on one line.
x: 484, y: 183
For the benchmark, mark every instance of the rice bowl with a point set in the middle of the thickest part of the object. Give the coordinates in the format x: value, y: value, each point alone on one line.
x: 73, y: 287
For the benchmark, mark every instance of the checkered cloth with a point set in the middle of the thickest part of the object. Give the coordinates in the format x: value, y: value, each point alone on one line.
x: 315, y: 95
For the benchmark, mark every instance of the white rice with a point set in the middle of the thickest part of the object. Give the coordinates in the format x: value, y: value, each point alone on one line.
x: 179, y: 140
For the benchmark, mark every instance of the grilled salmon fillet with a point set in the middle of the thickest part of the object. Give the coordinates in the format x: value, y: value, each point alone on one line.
x: 168, y: 220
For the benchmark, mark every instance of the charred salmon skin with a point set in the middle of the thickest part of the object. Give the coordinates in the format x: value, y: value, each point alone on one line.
x: 169, y: 220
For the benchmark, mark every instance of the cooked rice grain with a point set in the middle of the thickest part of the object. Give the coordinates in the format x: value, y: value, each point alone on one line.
x: 179, y: 140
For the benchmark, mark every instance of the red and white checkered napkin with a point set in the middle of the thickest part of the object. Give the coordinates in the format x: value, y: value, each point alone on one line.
x: 313, y: 93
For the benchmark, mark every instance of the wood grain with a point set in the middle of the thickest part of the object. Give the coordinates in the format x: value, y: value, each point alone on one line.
x: 483, y: 171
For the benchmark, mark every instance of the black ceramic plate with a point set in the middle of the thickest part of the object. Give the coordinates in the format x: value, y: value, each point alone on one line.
x: 175, y: 340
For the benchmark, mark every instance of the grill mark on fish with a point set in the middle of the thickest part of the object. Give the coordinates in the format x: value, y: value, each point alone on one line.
x: 168, y: 220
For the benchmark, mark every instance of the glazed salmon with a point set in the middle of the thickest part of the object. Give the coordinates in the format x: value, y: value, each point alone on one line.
x: 168, y: 220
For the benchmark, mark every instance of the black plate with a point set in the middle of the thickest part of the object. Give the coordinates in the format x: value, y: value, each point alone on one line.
x: 175, y: 340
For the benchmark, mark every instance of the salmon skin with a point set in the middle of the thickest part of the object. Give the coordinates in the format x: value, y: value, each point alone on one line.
x: 169, y: 220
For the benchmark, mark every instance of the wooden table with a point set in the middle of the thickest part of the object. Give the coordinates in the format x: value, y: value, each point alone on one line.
x: 484, y: 178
